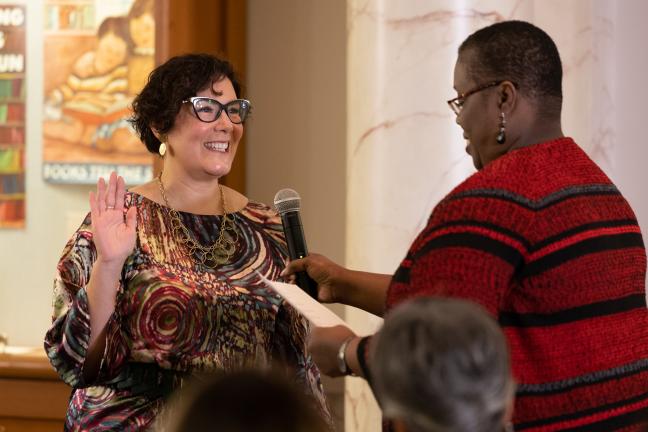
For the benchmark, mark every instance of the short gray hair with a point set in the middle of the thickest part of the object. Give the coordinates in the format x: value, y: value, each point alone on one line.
x: 442, y: 364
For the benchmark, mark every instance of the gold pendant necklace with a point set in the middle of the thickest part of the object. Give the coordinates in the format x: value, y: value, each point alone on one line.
x: 212, y: 256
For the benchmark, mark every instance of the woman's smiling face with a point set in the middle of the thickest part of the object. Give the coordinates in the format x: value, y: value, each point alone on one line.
x: 201, y: 147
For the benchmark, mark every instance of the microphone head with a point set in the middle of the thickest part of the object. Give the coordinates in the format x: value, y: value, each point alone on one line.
x: 287, y: 200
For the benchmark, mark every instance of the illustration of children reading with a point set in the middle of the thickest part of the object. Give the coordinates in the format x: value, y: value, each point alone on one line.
x: 91, y: 108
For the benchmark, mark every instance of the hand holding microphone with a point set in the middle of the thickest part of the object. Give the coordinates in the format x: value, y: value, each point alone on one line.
x: 287, y: 203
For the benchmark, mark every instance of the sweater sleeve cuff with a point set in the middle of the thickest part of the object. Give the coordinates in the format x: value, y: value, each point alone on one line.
x: 362, y: 352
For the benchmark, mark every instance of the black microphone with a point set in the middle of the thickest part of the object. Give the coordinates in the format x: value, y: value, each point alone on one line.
x: 287, y: 203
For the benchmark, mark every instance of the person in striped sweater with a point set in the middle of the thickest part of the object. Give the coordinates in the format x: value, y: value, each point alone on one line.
x: 539, y: 236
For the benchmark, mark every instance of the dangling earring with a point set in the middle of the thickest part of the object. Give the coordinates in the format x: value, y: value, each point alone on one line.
x: 501, y: 136
x: 162, y: 149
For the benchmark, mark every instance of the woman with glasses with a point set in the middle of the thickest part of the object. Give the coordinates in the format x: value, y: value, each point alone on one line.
x: 164, y: 281
x: 539, y: 236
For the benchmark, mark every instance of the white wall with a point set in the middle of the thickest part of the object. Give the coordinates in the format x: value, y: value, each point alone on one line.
x: 629, y: 166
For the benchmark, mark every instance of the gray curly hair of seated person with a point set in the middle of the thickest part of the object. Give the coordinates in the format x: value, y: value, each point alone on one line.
x: 441, y: 365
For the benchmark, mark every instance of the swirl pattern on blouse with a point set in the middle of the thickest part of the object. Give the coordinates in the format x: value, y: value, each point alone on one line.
x: 175, y: 317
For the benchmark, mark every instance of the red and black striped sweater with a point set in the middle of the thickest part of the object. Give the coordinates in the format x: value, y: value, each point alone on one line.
x: 544, y: 240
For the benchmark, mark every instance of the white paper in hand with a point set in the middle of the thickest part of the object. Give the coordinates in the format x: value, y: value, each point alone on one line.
x: 314, y: 311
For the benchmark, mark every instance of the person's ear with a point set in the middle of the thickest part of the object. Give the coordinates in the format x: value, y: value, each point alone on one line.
x: 158, y: 135
x: 508, y: 96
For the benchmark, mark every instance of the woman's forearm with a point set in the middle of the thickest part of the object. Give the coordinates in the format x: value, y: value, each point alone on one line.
x: 102, y: 290
x: 366, y: 291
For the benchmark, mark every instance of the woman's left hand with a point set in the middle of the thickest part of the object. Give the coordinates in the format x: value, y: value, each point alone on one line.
x: 324, y: 345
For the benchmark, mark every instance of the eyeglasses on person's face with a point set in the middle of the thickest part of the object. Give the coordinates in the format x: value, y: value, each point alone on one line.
x: 208, y: 110
x: 457, y: 103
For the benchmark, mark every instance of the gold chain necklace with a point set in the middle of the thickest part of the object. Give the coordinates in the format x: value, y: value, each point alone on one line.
x: 211, y: 256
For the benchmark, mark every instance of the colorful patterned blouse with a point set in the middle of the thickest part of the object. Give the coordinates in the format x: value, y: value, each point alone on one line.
x: 174, y: 317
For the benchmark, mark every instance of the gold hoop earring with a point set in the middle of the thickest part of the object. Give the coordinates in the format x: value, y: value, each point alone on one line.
x: 162, y: 149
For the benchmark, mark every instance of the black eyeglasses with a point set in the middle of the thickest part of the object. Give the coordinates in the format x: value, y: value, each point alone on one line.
x: 208, y: 110
x: 457, y: 103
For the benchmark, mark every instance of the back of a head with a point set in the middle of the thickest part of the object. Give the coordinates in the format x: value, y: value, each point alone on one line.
x: 522, y: 53
x: 240, y: 402
x: 442, y: 364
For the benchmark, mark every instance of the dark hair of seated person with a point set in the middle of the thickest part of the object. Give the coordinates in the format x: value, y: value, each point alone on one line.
x: 242, y: 401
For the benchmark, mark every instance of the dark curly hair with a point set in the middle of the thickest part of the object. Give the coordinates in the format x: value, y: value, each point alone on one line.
x: 168, y: 85
x: 519, y: 52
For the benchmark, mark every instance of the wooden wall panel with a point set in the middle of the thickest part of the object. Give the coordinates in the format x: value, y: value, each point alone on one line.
x: 32, y: 396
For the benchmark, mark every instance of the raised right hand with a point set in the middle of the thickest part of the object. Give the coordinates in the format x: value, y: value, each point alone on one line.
x: 325, y: 272
x: 113, y: 234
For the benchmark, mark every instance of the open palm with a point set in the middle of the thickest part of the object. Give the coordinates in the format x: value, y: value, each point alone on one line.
x: 113, y: 233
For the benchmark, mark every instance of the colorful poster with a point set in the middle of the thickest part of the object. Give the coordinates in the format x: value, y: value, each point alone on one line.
x: 12, y: 116
x: 98, y: 55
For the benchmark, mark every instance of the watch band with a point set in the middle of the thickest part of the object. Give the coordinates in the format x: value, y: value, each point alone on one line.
x: 341, y: 358
x: 361, y: 353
